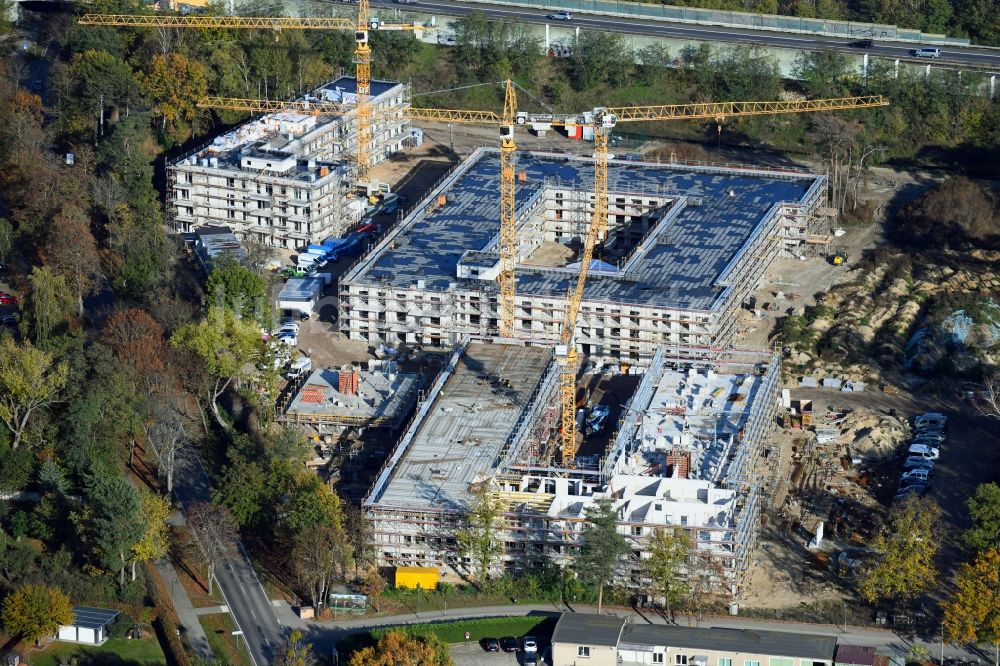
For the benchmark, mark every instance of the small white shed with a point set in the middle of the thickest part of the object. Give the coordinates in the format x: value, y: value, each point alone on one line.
x: 90, y: 625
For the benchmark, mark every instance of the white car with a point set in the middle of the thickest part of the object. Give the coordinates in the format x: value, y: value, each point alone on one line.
x: 560, y: 16
x: 289, y: 339
x: 529, y: 644
x: 923, y: 451
x: 915, y: 475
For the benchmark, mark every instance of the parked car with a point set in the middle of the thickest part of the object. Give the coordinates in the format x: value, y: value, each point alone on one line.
x: 917, y: 462
x: 529, y: 659
x: 491, y: 645
x: 927, y: 52
x: 8, y: 320
x: 529, y: 644
x: 7, y: 299
x: 931, y: 439
x: 447, y: 40
x: 560, y: 16
x: 911, y: 490
x: 930, y: 420
x: 924, y: 451
x: 289, y: 339
x: 917, y: 474
x: 508, y: 644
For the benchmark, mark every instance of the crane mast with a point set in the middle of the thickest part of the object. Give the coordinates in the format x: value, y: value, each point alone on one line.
x: 508, y: 228
x: 363, y: 76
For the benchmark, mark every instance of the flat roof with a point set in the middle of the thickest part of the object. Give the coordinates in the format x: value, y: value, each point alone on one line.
x: 682, y: 269
x: 267, y: 135
x: 382, y: 398
x: 588, y: 629
x: 460, y: 438
x: 747, y: 641
x: 701, y: 412
x: 92, y: 618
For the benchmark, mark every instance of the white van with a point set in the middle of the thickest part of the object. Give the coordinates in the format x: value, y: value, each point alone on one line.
x: 927, y: 52
x: 924, y: 451
x: 930, y: 420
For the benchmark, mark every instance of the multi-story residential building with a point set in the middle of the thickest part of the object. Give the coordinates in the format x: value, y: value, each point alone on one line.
x: 286, y: 179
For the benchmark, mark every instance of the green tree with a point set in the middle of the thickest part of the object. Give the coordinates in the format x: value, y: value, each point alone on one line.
x: 226, y: 345
x: 972, y: 614
x: 30, y: 381
x: 174, y: 84
x: 481, y: 539
x: 601, y: 547
x: 295, y: 652
x: 667, y: 552
x: 34, y: 611
x: 599, y: 57
x: 824, y: 73
x: 984, y: 510
x: 359, y: 531
x: 243, y: 490
x: 153, y: 513
x: 7, y: 235
x: 110, y: 521
x: 904, y: 547
x: 48, y: 306
x: 103, y: 82
x: 238, y: 288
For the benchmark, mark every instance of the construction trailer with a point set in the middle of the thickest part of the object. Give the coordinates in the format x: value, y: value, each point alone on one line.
x: 686, y: 247
x: 284, y: 179
x: 682, y: 459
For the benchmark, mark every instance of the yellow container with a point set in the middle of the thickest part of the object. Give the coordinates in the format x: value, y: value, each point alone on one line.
x: 412, y: 577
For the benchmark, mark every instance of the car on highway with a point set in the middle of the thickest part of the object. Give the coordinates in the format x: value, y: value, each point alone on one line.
x: 926, y: 52
x: 560, y: 16
x: 407, y: 2
x: 863, y: 44
x: 491, y: 644
x: 508, y: 644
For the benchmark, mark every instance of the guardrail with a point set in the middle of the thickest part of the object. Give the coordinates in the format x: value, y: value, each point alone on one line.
x: 745, y: 20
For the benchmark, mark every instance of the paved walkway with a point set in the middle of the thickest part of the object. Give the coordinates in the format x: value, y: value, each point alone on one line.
x: 191, y: 630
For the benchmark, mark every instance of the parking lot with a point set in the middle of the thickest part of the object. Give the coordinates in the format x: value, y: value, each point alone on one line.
x: 473, y: 654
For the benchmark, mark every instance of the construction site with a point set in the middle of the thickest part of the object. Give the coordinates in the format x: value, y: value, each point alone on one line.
x: 522, y: 263
x: 287, y: 179
x: 684, y: 247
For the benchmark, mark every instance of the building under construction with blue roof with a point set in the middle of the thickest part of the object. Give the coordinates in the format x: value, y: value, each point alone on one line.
x: 686, y: 247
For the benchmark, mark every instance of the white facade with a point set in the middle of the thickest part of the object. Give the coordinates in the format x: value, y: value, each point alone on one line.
x: 282, y: 179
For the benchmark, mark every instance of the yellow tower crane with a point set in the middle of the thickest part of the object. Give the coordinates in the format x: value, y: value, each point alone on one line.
x: 505, y: 121
x: 602, y: 120
x: 362, y: 51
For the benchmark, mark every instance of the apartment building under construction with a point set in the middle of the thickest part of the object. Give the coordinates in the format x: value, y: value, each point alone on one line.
x: 685, y: 456
x: 286, y: 179
x: 686, y: 246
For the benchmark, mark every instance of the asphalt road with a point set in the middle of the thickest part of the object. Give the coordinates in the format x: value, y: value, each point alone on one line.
x: 242, y: 591
x: 970, y: 56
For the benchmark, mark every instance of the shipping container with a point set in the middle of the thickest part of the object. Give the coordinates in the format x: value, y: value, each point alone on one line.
x: 426, y: 578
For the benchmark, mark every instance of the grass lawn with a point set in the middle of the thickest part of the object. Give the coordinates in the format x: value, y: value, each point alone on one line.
x: 454, y: 632
x: 220, y: 627
x: 142, y: 652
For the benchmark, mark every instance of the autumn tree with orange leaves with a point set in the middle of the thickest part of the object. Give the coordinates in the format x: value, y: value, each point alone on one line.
x: 399, y: 649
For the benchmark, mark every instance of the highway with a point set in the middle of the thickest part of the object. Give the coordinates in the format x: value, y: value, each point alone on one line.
x: 242, y: 591
x: 968, y: 56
